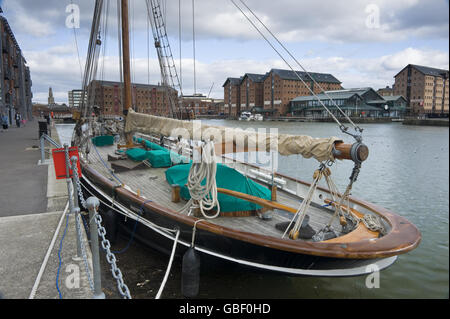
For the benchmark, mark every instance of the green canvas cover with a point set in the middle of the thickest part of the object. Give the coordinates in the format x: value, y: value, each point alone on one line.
x: 155, y: 147
x: 137, y: 154
x: 226, y: 177
x: 103, y: 140
x: 159, y: 158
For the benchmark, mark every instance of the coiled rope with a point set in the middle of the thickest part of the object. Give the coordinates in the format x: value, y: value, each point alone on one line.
x: 203, y: 196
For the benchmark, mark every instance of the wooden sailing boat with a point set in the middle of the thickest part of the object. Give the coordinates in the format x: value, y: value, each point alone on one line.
x: 297, y: 228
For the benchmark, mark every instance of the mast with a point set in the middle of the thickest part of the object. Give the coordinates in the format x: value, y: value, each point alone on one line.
x: 127, y: 102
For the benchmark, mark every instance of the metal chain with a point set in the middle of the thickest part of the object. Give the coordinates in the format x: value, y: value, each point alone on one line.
x: 77, y: 180
x: 83, y: 252
x: 111, y: 258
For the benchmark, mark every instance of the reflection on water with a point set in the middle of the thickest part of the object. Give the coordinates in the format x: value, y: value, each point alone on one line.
x: 407, y: 172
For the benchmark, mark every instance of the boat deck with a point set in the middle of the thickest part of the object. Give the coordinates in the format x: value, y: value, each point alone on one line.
x: 152, y: 185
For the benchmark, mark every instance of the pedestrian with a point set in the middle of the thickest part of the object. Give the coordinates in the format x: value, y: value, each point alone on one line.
x: 18, y: 118
x: 4, y: 121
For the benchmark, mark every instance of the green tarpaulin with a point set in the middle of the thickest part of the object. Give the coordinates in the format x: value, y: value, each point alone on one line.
x: 159, y: 158
x: 103, y: 140
x: 227, y: 178
x: 137, y: 154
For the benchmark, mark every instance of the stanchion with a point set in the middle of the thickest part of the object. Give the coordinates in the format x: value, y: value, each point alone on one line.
x: 92, y: 204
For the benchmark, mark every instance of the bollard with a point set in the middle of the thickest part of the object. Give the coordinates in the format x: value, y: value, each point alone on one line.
x: 92, y: 204
x: 75, y: 184
x: 42, y: 149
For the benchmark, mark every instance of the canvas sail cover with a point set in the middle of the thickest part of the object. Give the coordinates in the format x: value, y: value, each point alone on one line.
x: 285, y: 144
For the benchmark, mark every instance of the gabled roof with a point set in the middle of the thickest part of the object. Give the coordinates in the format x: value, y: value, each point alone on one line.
x: 257, y: 78
x: 394, y: 97
x: 233, y: 81
x: 323, y: 97
x: 318, y: 77
x: 360, y: 91
x: 340, y: 94
x: 425, y: 70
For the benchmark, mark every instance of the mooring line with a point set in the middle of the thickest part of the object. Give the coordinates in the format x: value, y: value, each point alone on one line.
x: 50, y: 249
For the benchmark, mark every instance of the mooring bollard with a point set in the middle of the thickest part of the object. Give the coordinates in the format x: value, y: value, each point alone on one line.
x: 93, y: 204
x: 42, y: 141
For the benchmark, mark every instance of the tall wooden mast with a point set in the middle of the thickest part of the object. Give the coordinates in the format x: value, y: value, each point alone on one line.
x: 127, y: 102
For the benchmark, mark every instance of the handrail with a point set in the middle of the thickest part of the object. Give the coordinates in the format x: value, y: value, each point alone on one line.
x: 45, y: 137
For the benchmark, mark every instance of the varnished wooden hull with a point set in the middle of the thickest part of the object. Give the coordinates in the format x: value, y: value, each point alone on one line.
x: 263, y: 252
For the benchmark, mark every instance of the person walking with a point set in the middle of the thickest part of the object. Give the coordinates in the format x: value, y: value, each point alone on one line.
x: 4, y: 120
x: 18, y: 118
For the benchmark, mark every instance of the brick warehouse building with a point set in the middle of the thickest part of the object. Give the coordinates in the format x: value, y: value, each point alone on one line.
x: 425, y: 89
x: 232, y: 96
x: 150, y: 99
x: 15, y: 80
x: 272, y: 92
x: 281, y: 86
x: 252, y: 92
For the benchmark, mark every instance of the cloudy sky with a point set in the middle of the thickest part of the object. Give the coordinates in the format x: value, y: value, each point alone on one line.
x: 361, y: 42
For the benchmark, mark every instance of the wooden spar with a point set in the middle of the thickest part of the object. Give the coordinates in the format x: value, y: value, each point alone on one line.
x: 127, y: 101
x: 126, y: 57
x: 360, y: 233
x: 343, y: 151
x: 260, y: 201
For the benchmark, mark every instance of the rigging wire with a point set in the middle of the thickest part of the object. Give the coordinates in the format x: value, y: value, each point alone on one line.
x: 179, y: 40
x: 148, y: 50
x: 343, y: 128
x: 78, y: 51
x: 105, y: 38
x: 301, y: 66
x: 193, y: 44
x: 92, y: 56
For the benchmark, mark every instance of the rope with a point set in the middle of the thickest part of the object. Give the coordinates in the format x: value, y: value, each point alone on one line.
x: 78, y: 51
x: 49, y: 250
x: 193, y: 44
x: 342, y: 127
x: 106, y: 166
x: 301, y: 212
x: 179, y: 39
x: 203, y: 196
x: 59, y: 256
x: 134, y: 230
x: 169, y: 266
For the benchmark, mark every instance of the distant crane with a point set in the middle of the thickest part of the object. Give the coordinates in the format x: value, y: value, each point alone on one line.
x: 210, y: 89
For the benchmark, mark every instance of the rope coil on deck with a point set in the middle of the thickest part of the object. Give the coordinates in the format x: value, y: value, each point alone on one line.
x: 203, y: 197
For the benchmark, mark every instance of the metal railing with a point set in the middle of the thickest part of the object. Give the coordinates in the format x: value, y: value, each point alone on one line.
x: 44, y: 137
x: 75, y: 199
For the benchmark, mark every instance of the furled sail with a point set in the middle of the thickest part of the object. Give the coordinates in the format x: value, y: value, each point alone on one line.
x: 319, y: 148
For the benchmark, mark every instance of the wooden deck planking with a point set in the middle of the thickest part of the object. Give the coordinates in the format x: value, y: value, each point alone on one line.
x: 159, y: 191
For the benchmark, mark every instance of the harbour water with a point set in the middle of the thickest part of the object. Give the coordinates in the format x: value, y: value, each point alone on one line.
x: 407, y: 172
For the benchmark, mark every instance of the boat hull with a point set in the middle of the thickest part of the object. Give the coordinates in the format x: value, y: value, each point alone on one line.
x: 216, y: 246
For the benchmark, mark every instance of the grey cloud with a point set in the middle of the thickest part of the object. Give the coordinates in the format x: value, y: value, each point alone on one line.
x: 326, y: 20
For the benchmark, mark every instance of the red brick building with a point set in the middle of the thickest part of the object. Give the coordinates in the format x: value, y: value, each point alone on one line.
x: 425, y: 89
x: 149, y: 99
x: 281, y: 86
x: 252, y: 92
x: 232, y: 96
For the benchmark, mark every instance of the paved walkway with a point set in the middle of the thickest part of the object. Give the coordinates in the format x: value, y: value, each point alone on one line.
x: 23, y: 184
x: 32, y: 202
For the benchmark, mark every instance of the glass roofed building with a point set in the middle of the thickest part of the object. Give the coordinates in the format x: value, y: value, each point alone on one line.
x: 357, y: 102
